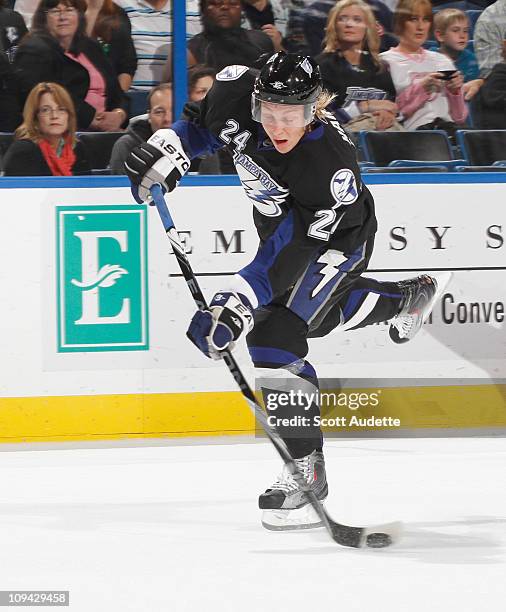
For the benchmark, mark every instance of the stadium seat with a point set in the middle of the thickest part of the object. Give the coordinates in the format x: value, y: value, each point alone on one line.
x: 412, y: 148
x: 138, y: 102
x: 480, y: 169
x: 402, y: 169
x: 482, y: 147
x: 99, y: 146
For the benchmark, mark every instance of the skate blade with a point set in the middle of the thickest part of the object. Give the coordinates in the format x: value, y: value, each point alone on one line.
x: 291, y: 520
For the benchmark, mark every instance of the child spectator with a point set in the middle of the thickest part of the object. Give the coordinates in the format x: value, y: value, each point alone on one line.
x: 451, y: 29
x: 46, y: 143
x: 429, y: 95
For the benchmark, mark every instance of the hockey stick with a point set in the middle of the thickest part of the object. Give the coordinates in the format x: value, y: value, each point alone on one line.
x: 356, y: 537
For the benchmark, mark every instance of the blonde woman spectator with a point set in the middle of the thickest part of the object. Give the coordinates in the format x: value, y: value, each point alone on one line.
x: 426, y: 97
x: 45, y: 143
x: 351, y: 67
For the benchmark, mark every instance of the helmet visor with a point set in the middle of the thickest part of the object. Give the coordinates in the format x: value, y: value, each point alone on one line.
x: 282, y: 115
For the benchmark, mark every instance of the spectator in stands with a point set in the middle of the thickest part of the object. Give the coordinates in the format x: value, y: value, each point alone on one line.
x: 152, y: 35
x: 270, y: 16
x: 141, y: 128
x: 222, y: 41
x: 58, y: 46
x: 12, y: 30
x: 489, y: 112
x: 352, y: 70
x: 200, y: 81
x: 451, y: 29
x: 316, y: 19
x: 107, y: 23
x: 490, y: 36
x: 45, y: 143
x: 427, y: 98
x: 58, y: 50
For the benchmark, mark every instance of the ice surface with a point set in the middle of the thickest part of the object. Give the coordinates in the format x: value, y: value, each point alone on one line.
x: 176, y: 528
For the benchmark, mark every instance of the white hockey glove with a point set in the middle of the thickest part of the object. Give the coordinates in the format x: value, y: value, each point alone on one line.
x: 161, y: 160
x: 230, y: 315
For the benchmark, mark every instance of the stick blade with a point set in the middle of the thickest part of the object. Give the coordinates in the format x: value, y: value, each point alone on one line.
x: 377, y: 536
x: 381, y: 536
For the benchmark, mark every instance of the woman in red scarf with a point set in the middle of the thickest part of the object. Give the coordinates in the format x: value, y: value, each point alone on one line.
x: 46, y: 141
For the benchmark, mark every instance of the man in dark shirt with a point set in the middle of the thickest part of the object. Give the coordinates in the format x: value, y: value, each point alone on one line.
x: 222, y: 41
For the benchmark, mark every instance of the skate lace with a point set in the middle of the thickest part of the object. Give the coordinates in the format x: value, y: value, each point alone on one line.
x: 403, y: 324
x: 285, y: 481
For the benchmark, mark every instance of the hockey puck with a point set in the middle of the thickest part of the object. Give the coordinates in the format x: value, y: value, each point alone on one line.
x: 378, y: 540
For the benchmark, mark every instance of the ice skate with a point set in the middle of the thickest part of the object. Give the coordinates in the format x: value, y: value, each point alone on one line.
x: 285, y: 506
x: 419, y: 296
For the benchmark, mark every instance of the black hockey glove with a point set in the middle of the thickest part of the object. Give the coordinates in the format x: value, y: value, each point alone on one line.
x: 161, y: 160
x: 230, y: 315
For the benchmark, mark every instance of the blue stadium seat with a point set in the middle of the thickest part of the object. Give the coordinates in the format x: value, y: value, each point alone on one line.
x: 482, y: 147
x: 412, y: 148
x: 402, y: 169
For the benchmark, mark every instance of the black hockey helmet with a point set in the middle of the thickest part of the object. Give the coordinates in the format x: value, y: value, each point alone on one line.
x: 288, y: 78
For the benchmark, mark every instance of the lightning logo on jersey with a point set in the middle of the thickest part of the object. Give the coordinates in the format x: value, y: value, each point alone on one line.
x: 343, y: 187
x: 331, y: 261
x: 266, y: 195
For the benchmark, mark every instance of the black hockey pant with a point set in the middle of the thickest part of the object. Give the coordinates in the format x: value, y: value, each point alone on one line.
x: 330, y: 293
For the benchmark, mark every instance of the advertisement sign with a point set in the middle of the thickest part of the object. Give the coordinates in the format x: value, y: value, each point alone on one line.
x: 102, y: 278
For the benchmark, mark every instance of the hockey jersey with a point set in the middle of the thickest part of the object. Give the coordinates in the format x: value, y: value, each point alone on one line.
x: 305, y: 201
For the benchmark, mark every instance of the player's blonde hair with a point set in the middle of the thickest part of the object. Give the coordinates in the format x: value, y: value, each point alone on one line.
x: 324, y: 99
x: 371, y: 41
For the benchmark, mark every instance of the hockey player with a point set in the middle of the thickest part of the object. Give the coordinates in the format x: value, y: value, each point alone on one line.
x: 316, y: 224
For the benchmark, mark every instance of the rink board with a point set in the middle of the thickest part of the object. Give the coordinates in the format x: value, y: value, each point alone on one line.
x: 94, y: 309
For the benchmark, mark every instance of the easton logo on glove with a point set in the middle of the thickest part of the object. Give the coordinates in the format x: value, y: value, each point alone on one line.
x: 161, y: 160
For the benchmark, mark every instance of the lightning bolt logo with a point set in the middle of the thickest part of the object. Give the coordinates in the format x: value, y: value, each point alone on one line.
x: 331, y: 261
